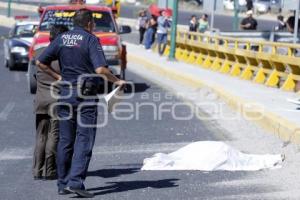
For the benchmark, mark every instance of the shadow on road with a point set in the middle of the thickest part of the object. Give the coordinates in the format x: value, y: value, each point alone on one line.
x: 124, y: 186
x: 20, y: 68
x: 137, y: 88
x: 110, y: 173
x: 130, y: 88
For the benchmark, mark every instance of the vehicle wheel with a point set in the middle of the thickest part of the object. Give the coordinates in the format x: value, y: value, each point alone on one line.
x: 11, y: 64
x: 31, y: 79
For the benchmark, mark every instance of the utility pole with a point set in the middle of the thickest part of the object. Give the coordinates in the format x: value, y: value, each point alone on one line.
x: 174, y: 30
x: 212, y: 19
x: 236, y: 15
x: 296, y: 25
x: 9, y: 8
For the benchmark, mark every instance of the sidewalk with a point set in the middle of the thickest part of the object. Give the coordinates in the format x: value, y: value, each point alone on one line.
x: 28, y: 7
x: 132, y: 22
x: 267, y: 107
x: 265, y: 16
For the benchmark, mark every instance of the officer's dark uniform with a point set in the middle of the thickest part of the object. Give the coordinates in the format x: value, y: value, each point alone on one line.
x: 248, y: 20
x: 79, y: 52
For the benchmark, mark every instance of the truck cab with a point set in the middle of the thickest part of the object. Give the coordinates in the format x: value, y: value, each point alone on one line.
x: 106, y: 29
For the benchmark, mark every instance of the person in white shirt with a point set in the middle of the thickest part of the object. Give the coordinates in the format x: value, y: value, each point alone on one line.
x: 163, y: 23
x: 142, y: 25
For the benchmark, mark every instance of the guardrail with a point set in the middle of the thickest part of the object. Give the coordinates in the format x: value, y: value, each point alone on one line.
x: 269, y: 63
x: 256, y: 35
x: 273, y: 36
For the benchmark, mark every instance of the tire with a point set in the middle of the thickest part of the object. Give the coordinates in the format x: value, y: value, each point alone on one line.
x: 11, y: 64
x: 32, y: 85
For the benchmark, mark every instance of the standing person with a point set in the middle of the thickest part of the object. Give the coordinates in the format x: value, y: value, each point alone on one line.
x: 280, y: 23
x: 150, y: 33
x: 44, y: 158
x: 249, y: 4
x: 163, y: 23
x: 249, y: 23
x: 203, y: 23
x: 142, y: 23
x: 290, y: 23
x: 154, y: 26
x: 193, y: 25
x: 79, y: 52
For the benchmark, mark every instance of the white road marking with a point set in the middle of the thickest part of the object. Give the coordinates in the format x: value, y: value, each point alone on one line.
x: 6, y: 111
x: 22, y: 154
x: 15, y: 154
x: 138, y: 149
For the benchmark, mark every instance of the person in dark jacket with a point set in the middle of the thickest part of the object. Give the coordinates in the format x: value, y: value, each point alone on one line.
x: 44, y: 158
x: 290, y: 23
x: 280, y: 26
x: 248, y: 23
x: 150, y: 33
x: 193, y: 25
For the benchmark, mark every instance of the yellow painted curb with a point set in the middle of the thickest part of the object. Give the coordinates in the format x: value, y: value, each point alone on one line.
x: 284, y: 129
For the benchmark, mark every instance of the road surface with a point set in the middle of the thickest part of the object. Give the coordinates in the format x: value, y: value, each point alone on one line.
x: 119, y: 151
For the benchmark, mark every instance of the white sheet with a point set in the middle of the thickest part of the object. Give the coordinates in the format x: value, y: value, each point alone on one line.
x: 211, y: 156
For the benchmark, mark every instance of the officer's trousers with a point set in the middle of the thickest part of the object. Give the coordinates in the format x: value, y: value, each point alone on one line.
x: 44, y: 158
x: 76, y: 141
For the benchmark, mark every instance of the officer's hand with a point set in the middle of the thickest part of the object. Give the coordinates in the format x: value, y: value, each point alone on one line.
x: 121, y: 83
x: 59, y: 78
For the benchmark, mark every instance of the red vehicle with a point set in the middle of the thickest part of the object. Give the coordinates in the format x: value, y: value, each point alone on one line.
x: 106, y: 29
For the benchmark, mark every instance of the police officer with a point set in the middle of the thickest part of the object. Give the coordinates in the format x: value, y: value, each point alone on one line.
x: 79, y: 52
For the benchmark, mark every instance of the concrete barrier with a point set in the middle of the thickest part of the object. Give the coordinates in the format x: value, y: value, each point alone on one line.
x: 279, y: 125
x: 270, y: 63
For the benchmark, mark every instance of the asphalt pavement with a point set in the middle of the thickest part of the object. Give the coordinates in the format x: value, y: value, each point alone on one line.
x: 122, y: 145
x: 119, y: 151
x: 120, y: 148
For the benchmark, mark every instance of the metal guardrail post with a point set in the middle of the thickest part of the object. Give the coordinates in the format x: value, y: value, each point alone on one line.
x: 236, y: 16
x: 296, y: 25
x: 174, y: 30
x: 9, y: 8
x: 269, y: 63
x: 212, y: 19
